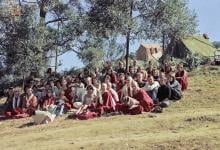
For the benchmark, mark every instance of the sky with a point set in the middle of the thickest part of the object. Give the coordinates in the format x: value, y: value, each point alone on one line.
x: 208, y: 13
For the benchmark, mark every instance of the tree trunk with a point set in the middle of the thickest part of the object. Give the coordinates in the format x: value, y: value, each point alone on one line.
x: 128, y: 38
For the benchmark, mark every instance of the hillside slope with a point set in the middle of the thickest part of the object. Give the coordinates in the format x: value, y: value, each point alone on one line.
x: 193, y: 123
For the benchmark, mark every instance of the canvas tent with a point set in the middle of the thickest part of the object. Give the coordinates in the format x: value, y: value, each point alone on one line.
x: 196, y: 45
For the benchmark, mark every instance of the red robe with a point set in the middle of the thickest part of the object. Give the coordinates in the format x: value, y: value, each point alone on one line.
x: 182, y: 78
x: 30, y: 105
x: 14, y: 108
x: 108, y: 104
x: 68, y: 94
x: 47, y: 101
x: 145, y: 101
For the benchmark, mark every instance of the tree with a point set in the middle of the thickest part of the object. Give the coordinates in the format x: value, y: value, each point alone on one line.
x: 216, y: 44
x: 141, y: 19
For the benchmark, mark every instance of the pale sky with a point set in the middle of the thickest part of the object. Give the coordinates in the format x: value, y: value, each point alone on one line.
x: 208, y: 13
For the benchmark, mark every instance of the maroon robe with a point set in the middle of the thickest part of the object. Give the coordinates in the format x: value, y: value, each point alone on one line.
x: 182, y: 78
x: 30, y: 105
x: 145, y: 101
x: 47, y: 101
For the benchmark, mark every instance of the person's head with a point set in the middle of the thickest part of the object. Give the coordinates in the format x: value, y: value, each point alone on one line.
x: 11, y: 91
x: 109, y: 85
x: 49, y: 93
x: 62, y: 93
x: 150, y: 79
x: 49, y: 70
x: 131, y: 69
x: 121, y: 64
x: 129, y: 79
x: 121, y: 77
x: 47, y: 86
x: 163, y: 81
x: 17, y: 92
x: 172, y: 77
x: 90, y: 90
x: 180, y: 67
x: 29, y: 90
x: 63, y: 82
x: 135, y: 87
x: 107, y: 79
x: 109, y: 71
x: 156, y: 72
x: 139, y: 69
x: 104, y: 87
x: 134, y: 63
x: 139, y: 77
x: 68, y: 79
x: 58, y: 84
x: 51, y: 83
x: 89, y: 81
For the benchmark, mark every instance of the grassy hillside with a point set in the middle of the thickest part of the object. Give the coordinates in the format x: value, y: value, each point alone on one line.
x: 193, y: 123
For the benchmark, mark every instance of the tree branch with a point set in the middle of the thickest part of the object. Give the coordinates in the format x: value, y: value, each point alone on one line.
x: 56, y: 20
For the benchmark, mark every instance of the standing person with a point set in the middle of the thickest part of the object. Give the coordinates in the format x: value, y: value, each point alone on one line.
x: 182, y: 77
x: 29, y: 102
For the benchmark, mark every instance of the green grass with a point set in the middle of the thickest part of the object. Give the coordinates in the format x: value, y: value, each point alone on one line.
x: 193, y: 123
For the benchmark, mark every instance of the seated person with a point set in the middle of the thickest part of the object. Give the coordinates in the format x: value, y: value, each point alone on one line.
x: 152, y: 88
x: 48, y: 100
x: 10, y: 94
x: 176, y: 92
x: 182, y: 77
x: 89, y: 101
x: 14, y: 106
x: 29, y: 102
x: 164, y: 93
x: 140, y: 81
x: 62, y: 103
x: 113, y: 92
x: 107, y: 104
x: 140, y: 102
x: 140, y: 95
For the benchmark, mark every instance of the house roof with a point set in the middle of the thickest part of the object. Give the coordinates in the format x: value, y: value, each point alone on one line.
x: 198, y: 44
x: 150, y: 46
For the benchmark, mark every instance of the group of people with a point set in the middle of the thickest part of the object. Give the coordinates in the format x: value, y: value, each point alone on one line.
x: 95, y: 93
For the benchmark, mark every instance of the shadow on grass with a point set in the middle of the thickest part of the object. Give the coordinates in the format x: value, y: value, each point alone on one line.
x: 30, y: 124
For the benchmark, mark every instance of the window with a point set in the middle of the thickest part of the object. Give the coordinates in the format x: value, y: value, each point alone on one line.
x: 151, y: 51
x: 156, y: 51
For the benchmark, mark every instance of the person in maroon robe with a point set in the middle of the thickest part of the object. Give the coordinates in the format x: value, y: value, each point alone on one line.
x: 15, y: 105
x: 182, y: 77
x: 140, y: 94
x: 48, y: 100
x: 106, y: 104
x: 29, y: 102
x: 145, y: 102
